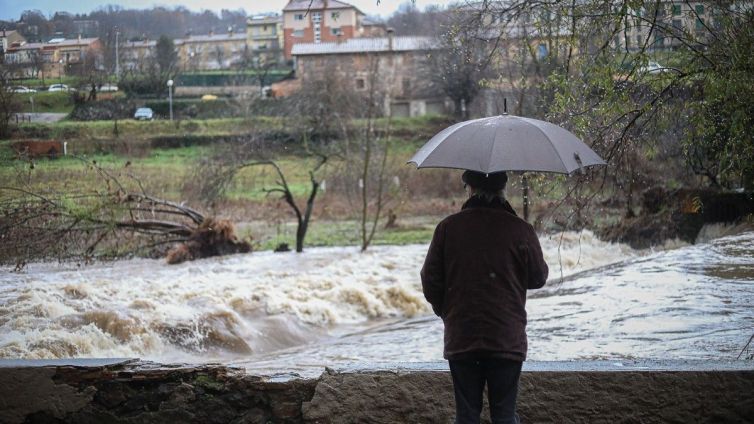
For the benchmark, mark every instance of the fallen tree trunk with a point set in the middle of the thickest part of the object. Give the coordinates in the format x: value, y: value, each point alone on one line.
x: 113, y: 222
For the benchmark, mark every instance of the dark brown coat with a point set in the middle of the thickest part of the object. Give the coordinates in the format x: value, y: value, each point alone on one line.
x: 480, y: 263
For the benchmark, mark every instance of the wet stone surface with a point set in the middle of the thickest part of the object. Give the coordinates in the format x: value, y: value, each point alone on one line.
x: 117, y: 391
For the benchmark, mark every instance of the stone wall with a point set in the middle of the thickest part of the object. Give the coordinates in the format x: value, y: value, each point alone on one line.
x: 118, y: 391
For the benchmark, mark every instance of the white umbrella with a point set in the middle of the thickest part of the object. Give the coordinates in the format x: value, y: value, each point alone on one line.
x: 506, y: 143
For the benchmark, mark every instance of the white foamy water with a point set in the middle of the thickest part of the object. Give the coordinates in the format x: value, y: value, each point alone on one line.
x: 694, y: 302
x: 235, y: 307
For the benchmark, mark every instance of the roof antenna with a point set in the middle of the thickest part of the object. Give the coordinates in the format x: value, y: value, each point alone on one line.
x: 505, y: 105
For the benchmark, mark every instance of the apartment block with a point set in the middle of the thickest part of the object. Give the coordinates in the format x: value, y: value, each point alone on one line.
x: 320, y: 21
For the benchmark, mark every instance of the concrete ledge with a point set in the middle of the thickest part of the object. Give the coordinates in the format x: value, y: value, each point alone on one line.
x: 122, y: 390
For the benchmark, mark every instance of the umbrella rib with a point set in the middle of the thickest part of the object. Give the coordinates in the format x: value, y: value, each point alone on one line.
x: 473, y: 137
x: 557, y: 153
x: 492, y: 149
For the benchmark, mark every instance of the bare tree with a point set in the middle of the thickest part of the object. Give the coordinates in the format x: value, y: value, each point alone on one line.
x: 261, y: 63
x: 462, y: 63
x: 217, y: 173
x: 219, y: 54
x: 373, y: 152
x: 9, y: 104
x: 117, y: 218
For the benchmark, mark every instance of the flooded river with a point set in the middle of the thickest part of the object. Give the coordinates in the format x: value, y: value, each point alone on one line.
x: 334, y: 306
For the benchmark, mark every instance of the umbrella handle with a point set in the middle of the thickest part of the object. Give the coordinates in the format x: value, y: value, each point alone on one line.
x: 525, y: 186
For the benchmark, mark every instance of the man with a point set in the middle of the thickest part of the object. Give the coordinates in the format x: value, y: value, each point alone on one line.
x: 480, y: 263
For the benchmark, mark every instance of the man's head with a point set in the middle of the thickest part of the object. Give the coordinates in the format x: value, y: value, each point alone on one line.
x: 489, y: 185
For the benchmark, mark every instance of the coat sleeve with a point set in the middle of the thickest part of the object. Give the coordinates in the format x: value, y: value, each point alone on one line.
x: 433, y: 271
x: 538, y: 270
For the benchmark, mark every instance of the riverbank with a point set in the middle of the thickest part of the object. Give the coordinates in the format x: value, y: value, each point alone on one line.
x: 122, y: 390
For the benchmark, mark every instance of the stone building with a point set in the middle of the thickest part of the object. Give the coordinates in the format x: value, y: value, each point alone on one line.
x: 9, y: 38
x: 673, y: 21
x: 211, y: 51
x: 395, y: 66
x: 264, y: 35
x: 57, y: 57
x: 195, y: 52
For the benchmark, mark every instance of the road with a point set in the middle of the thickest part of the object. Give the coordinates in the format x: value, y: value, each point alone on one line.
x: 40, y: 117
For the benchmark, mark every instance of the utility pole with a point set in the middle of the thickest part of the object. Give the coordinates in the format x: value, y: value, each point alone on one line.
x: 117, y: 64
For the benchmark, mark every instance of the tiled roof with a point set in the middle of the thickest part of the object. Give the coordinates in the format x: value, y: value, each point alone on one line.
x: 213, y: 37
x: 141, y: 43
x: 237, y: 36
x: 365, y: 45
x: 68, y: 42
x: 261, y: 20
x: 72, y: 42
x: 369, y: 22
x: 26, y: 46
x: 296, y: 5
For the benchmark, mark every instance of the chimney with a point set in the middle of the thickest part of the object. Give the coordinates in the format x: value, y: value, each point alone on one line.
x: 390, y: 32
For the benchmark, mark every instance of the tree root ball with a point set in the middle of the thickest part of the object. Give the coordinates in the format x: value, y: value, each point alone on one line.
x: 214, y: 237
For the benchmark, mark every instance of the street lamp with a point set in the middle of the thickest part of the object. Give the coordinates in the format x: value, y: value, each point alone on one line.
x: 60, y: 70
x: 170, y: 97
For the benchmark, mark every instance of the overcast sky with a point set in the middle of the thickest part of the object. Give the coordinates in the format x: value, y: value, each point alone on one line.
x: 11, y: 9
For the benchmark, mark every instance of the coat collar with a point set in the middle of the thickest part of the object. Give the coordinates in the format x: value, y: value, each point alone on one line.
x: 498, y: 203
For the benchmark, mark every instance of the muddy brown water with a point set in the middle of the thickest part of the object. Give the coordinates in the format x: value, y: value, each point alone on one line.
x: 335, y: 306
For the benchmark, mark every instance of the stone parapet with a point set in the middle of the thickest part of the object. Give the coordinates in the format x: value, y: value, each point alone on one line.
x: 126, y: 390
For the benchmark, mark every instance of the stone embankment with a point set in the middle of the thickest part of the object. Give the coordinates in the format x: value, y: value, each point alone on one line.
x: 680, y: 215
x: 120, y: 391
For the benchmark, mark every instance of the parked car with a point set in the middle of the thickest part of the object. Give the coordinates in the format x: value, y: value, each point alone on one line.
x: 60, y: 87
x: 104, y: 88
x: 653, y: 68
x: 22, y: 89
x: 144, y: 114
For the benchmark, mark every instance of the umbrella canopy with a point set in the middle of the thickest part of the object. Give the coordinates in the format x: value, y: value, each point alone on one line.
x: 506, y: 143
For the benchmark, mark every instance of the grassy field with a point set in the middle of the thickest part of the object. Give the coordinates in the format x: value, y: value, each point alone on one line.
x: 37, y: 83
x: 419, y: 198
x: 402, y: 127
x: 46, y: 102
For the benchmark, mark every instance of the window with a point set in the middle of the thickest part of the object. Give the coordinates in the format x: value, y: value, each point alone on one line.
x: 542, y: 51
x: 298, y: 33
x: 317, y: 17
x: 677, y: 24
x: 360, y: 84
x: 299, y: 17
x: 676, y: 9
x: 659, y: 40
x: 336, y: 31
x: 335, y: 15
x: 406, y: 86
x: 699, y: 9
x: 700, y: 24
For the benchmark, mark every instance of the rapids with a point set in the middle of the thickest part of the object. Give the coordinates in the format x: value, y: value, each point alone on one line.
x: 331, y: 306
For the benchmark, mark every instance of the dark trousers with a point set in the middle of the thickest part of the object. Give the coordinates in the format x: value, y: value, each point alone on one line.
x: 501, y: 377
